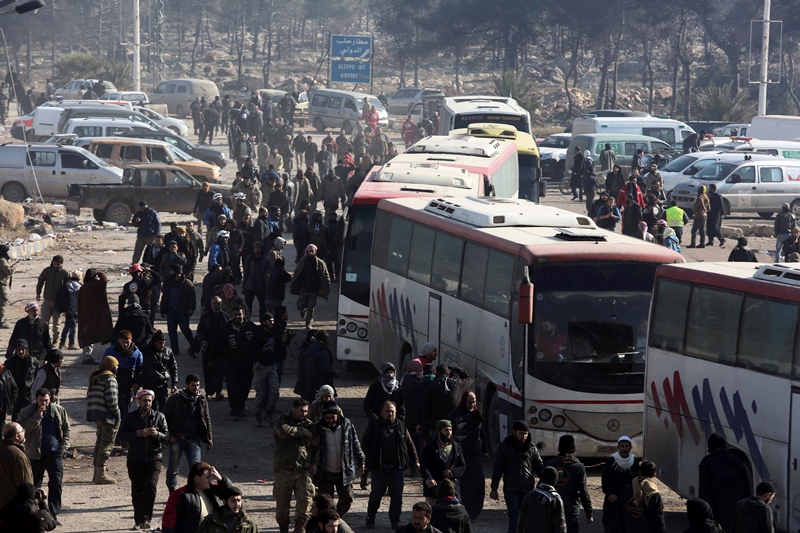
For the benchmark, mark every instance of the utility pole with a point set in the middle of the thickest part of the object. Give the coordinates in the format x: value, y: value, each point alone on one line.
x: 137, y: 71
x: 763, y: 79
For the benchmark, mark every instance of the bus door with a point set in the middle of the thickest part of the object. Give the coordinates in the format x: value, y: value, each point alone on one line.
x: 794, y: 464
x: 434, y: 318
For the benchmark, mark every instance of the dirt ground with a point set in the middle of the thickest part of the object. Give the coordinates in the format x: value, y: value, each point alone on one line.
x: 242, y: 452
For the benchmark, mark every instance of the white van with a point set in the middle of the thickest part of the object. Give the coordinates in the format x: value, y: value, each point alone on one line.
x: 774, y: 127
x: 103, y: 127
x: 331, y: 108
x: 688, y: 165
x: 753, y: 183
x: 460, y: 111
x: 179, y: 94
x: 55, y: 168
x: 672, y: 132
x: 787, y: 149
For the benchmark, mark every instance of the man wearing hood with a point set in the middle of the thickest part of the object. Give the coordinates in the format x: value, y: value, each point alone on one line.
x: 159, y: 369
x: 23, y: 368
x: 516, y: 461
x: 620, y: 469
x: 7, y: 270
x: 33, y: 330
x: 15, y: 468
x: 542, y: 510
x: 309, y: 280
x: 178, y: 303
x: 724, y: 480
x: 571, y: 483
x: 644, y: 510
x: 136, y: 320
x: 340, y: 460
x: 129, y: 372
x: 701, y: 518
x: 442, y: 395
x: 189, y: 420
x: 208, y: 331
x: 103, y: 409
x: 441, y: 459
x: 448, y: 514
x: 236, y: 344
x: 387, y: 387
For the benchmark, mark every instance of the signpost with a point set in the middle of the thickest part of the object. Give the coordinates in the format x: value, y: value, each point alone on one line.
x: 351, y: 71
x: 351, y: 59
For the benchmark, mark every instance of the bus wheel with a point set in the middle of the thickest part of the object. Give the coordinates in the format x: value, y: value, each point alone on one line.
x: 492, y: 417
x: 565, y: 187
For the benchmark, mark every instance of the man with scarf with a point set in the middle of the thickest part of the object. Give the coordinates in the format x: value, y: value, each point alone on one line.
x: 468, y: 432
x: 159, y: 369
x: 542, y: 510
x: 235, y: 348
x: 103, y: 409
x: 129, y: 373
x: 516, y: 461
x: 146, y: 431
x: 387, y: 387
x: 441, y: 459
x: 620, y: 469
x: 189, y: 418
x: 23, y: 368
x: 644, y: 511
x: 208, y: 330
x: 448, y: 515
x: 571, y: 484
x: 7, y: 270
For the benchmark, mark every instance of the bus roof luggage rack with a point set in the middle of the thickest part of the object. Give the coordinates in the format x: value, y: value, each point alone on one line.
x: 490, y: 211
x: 581, y: 234
x: 779, y: 273
x: 458, y: 145
x: 444, y: 176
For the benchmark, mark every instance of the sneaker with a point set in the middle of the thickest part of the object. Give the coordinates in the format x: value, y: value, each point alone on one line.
x: 144, y: 526
x: 370, y: 523
x: 395, y: 525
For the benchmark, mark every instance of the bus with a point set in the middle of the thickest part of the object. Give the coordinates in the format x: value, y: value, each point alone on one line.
x: 547, y: 312
x: 461, y: 111
x: 452, y: 166
x: 723, y: 356
x: 527, y: 154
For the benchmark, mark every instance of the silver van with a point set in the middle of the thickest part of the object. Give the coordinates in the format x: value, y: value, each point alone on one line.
x: 103, y: 127
x: 330, y: 108
x: 624, y: 144
x: 53, y: 168
x: 754, y: 183
x: 179, y: 94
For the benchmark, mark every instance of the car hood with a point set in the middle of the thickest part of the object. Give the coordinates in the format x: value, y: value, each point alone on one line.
x: 199, y: 167
x: 205, y: 150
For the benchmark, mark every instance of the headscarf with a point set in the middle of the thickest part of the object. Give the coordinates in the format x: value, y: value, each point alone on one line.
x: 106, y: 369
x: 414, y: 368
x: 643, y: 489
x: 700, y: 514
x: 389, y: 384
x: 476, y: 413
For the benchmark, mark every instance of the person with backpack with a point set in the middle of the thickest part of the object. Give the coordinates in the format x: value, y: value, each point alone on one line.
x: 442, y: 396
x: 67, y: 303
x: 571, y: 484
x: 741, y: 253
x: 644, y: 510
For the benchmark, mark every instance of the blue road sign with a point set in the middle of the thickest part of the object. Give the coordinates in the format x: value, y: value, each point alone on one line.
x: 351, y: 46
x: 350, y: 71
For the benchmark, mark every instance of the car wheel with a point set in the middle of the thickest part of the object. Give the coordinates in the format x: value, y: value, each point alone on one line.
x: 319, y: 125
x: 14, y: 192
x: 180, y: 112
x: 98, y: 214
x: 174, y: 130
x: 348, y: 128
x: 118, y: 213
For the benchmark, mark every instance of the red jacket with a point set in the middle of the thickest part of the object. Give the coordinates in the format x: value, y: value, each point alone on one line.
x: 371, y: 118
x: 182, y: 512
x: 623, y: 194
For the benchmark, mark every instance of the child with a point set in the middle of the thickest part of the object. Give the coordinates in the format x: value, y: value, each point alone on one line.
x: 71, y: 326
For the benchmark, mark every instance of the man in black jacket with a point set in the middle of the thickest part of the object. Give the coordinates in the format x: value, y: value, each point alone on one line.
x: 441, y: 459
x: 235, y: 350
x: 23, y: 369
x: 145, y: 430
x: 420, y: 520
x: 33, y: 330
x: 208, y: 330
x: 753, y: 514
x: 542, y: 510
x: 136, y: 320
x: 448, y: 515
x: 188, y: 415
x: 442, y: 396
x: 386, y: 388
x: 383, y: 436
x: 159, y: 368
x: 724, y: 480
x: 184, y: 510
x: 571, y: 483
x: 516, y: 461
x: 178, y: 303
x: 146, y: 284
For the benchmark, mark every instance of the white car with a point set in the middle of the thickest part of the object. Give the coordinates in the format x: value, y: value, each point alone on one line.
x: 72, y: 89
x: 687, y: 165
x: 173, y: 124
x: 403, y: 99
x: 137, y: 97
x: 550, y: 149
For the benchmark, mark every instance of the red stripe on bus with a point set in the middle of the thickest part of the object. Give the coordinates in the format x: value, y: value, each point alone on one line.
x: 589, y: 402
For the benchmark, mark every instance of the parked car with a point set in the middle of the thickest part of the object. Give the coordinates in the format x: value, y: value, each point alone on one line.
x: 550, y: 149
x: 165, y: 188
x: 180, y: 93
x: 103, y: 127
x: 56, y: 168
x: 72, y: 89
x: 402, y: 100
x: 48, y: 121
x: 173, y: 124
x: 137, y: 97
x: 210, y: 155
x: 331, y: 108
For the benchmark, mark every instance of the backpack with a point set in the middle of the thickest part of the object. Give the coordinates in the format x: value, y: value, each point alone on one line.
x: 63, y: 299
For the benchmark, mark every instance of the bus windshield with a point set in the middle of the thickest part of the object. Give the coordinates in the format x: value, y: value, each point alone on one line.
x: 591, y: 326
x: 357, y: 250
x: 464, y: 120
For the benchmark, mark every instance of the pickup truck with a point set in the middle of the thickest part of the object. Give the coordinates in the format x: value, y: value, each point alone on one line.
x: 165, y: 188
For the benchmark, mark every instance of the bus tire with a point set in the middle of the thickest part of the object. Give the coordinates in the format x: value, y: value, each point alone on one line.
x: 492, y: 416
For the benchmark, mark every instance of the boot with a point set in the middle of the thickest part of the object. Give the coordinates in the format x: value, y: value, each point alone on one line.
x: 101, y: 478
x: 61, y: 345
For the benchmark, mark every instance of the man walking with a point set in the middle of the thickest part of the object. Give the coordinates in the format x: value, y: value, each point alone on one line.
x: 146, y: 431
x: 159, y: 369
x: 15, y: 468
x: 571, y: 483
x: 293, y: 466
x: 724, y: 480
x: 441, y: 459
x: 237, y: 341
x: 389, y: 450
x: 188, y: 415
x: 7, y: 270
x: 542, y: 510
x: 608, y: 158
x: 103, y: 409
x: 516, y: 461
x: 178, y: 302
x: 785, y: 222
x: 309, y: 280
x: 23, y: 369
x: 208, y: 331
x: 148, y: 225
x: 47, y: 428
x: 340, y: 458
x: 33, y: 330
x: 52, y: 279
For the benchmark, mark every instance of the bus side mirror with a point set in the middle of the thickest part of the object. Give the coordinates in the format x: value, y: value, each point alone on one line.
x: 526, y: 299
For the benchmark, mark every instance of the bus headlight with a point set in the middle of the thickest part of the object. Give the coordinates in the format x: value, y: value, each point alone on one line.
x: 342, y: 322
x: 559, y: 421
x: 362, y: 333
x: 351, y: 327
x: 545, y: 415
x: 532, y: 409
x: 534, y: 421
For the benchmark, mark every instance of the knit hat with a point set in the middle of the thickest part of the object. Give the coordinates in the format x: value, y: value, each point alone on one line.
x: 175, y: 267
x: 624, y: 438
x: 109, y: 363
x: 31, y: 305
x: 427, y: 348
x: 519, y: 425
x: 145, y: 392
x: 446, y: 489
x: 716, y: 442
x: 566, y: 444
x: 21, y: 343
x: 661, y: 222
x: 325, y: 389
x: 311, y: 248
x: 441, y: 424
x: 385, y: 367
x: 330, y: 407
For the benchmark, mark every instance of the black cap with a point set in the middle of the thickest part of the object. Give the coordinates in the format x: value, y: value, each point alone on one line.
x: 142, y: 203
x: 330, y: 407
x: 519, y: 425
x: 566, y: 444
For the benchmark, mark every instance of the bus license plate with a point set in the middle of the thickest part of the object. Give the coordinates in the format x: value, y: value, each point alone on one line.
x: 606, y: 449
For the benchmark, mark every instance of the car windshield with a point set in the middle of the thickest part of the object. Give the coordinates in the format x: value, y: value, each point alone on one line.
x: 680, y: 164
x: 715, y: 172
x: 183, y: 155
x: 554, y: 141
x: 372, y: 100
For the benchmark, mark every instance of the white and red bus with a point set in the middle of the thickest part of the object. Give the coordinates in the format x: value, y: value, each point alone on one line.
x: 723, y: 356
x: 568, y: 357
x: 451, y: 166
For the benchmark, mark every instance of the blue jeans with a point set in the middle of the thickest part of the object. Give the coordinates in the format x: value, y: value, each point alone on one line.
x: 392, y: 479
x: 513, y: 504
x: 175, y: 319
x: 191, y: 448
x: 70, y: 327
x: 779, y: 240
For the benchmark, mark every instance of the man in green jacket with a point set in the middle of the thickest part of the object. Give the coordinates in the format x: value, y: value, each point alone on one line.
x: 229, y: 517
x: 293, y: 466
x: 7, y: 270
x: 51, y: 279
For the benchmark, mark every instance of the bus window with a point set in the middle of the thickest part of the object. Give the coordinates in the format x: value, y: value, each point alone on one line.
x: 419, y: 263
x: 506, y: 180
x: 766, y: 335
x: 711, y: 312
x: 473, y: 274
x: 669, y: 315
x: 399, y: 240
x: 446, y: 263
x: 499, y: 276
